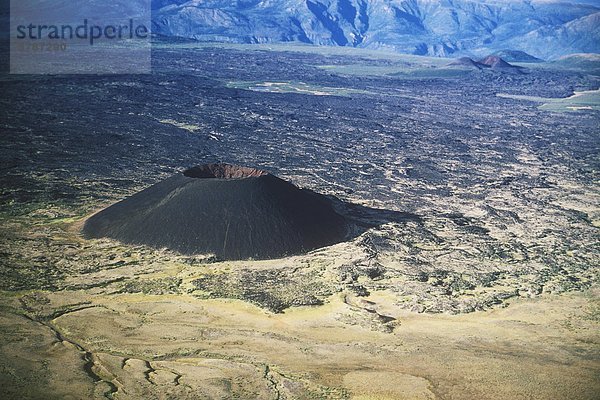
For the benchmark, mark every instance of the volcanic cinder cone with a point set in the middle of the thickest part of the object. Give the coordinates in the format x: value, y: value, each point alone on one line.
x: 226, y: 210
x: 466, y: 62
x: 495, y: 62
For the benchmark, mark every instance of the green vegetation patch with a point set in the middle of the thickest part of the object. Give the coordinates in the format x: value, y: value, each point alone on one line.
x: 580, y: 101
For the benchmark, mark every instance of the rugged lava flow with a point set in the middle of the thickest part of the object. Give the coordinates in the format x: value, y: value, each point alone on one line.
x: 230, y: 211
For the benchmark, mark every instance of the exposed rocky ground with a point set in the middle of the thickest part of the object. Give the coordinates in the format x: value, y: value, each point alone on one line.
x: 464, y: 201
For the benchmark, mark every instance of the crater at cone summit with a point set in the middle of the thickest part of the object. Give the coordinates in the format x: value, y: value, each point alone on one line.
x: 231, y: 211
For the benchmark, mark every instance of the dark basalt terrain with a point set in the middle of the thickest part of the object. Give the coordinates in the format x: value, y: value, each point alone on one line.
x: 472, y: 252
x: 221, y: 209
x: 493, y: 183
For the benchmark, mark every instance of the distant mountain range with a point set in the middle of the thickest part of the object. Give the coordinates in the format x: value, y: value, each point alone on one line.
x: 547, y: 29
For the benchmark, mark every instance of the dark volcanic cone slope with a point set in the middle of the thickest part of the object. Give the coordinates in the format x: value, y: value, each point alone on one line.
x: 465, y: 62
x: 495, y: 62
x: 232, y: 212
